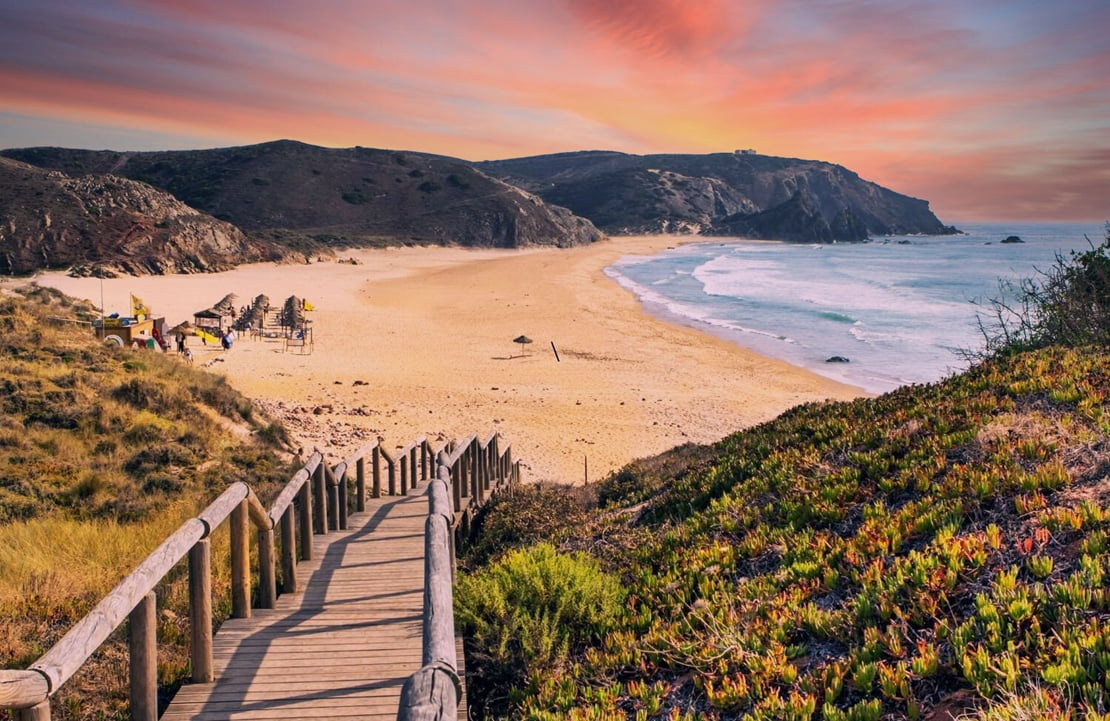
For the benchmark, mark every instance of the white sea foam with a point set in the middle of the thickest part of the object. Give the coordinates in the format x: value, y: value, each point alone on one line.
x: 897, y: 311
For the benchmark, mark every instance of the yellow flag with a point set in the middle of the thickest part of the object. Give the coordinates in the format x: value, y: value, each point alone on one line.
x: 309, y: 306
x: 138, y: 307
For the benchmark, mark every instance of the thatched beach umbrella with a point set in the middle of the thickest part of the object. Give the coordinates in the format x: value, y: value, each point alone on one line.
x: 522, y: 339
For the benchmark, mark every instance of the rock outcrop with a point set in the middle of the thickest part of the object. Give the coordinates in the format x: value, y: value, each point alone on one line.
x: 103, y: 225
x: 720, y: 194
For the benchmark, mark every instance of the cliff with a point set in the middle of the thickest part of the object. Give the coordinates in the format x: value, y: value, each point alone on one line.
x: 719, y: 194
x: 104, y: 224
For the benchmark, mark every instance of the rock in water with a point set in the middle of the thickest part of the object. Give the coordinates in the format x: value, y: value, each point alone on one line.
x: 1013, y: 239
x: 837, y: 359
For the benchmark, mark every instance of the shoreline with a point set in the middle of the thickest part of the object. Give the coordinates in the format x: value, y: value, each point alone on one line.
x: 418, y: 341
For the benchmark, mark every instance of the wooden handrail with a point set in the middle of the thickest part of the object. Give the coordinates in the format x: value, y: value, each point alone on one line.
x: 291, y: 513
x: 133, y: 596
x: 433, y: 692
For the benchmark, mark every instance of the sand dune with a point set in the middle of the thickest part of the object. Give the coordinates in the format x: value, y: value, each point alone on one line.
x: 419, y: 341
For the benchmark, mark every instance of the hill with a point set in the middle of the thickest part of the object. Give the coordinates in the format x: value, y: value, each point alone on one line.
x: 304, y: 194
x: 106, y: 224
x: 740, y: 193
x: 937, y: 549
x: 103, y: 453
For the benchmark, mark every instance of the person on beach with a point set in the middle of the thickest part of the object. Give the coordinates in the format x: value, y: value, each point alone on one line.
x: 225, y: 341
x: 188, y: 355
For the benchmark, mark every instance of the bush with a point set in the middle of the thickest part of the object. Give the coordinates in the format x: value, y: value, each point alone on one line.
x: 1069, y: 305
x: 530, y: 514
x: 530, y: 611
x: 356, y: 197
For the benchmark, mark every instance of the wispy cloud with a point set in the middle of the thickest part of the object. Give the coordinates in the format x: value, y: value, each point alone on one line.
x: 986, y: 108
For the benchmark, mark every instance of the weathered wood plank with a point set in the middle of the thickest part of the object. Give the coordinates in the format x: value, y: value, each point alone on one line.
x: 340, y: 648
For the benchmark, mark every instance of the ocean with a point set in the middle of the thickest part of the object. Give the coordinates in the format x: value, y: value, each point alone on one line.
x: 899, y: 308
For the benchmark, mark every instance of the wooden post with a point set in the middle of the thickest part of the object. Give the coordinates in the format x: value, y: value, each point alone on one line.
x: 460, y: 475
x: 240, y: 562
x: 404, y: 474
x: 391, y: 467
x: 375, y: 460
x: 495, y: 460
x: 39, y: 712
x: 430, y: 694
x: 475, y: 471
x: 320, y: 500
x: 412, y: 467
x: 332, y: 489
x: 304, y: 515
x: 143, y: 646
x: 360, y: 484
x: 200, y: 610
x: 288, y: 551
x: 267, y: 571
x: 424, y: 458
x: 444, y: 472
x: 344, y: 501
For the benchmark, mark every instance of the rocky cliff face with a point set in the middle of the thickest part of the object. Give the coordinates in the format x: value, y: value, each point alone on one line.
x: 720, y: 194
x: 103, y: 224
x: 339, y: 196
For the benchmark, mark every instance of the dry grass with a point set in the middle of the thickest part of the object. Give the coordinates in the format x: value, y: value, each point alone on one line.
x: 103, y: 454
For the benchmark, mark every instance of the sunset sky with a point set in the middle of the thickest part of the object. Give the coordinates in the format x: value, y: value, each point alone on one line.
x: 989, y: 109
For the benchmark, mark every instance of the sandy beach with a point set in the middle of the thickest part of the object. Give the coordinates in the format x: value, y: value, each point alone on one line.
x: 414, y: 341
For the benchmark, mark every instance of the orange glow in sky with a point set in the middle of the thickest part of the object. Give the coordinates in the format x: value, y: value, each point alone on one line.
x: 989, y: 109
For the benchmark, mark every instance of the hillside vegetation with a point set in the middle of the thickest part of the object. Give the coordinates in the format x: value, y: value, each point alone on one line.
x: 938, y: 552
x: 315, y: 198
x: 103, y: 453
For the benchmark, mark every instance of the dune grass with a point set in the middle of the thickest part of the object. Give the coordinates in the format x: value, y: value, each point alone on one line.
x: 104, y: 452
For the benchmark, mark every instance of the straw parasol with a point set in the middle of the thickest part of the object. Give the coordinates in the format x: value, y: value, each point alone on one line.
x: 523, y: 340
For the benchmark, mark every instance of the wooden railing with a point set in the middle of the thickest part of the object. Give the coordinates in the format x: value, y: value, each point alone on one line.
x: 465, y: 479
x: 133, y: 598
x: 315, y: 501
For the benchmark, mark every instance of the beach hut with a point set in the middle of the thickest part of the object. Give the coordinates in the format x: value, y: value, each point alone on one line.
x: 212, y: 321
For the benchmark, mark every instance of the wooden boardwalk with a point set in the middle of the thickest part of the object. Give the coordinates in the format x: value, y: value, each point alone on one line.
x: 344, y: 645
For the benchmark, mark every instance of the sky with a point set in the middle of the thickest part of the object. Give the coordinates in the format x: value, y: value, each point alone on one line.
x: 989, y: 109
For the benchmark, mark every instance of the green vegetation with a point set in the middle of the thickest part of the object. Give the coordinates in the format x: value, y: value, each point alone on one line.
x: 356, y: 197
x: 536, y: 604
x: 428, y: 186
x: 1068, y: 304
x: 103, y: 453
x: 941, y: 547
x: 457, y: 181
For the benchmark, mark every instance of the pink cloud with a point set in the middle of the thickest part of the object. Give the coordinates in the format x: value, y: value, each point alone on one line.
x: 917, y: 97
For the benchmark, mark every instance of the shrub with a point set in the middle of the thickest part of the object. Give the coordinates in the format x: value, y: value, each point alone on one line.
x: 530, y: 514
x: 532, y: 609
x: 356, y: 197
x: 457, y: 181
x: 428, y: 186
x: 1068, y: 304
